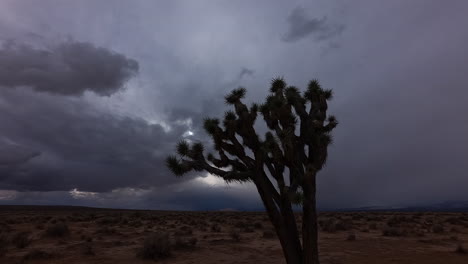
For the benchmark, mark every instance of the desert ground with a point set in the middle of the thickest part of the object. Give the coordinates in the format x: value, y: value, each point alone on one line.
x: 87, y: 235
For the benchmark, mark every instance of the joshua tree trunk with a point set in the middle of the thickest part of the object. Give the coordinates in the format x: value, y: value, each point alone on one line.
x: 309, y: 221
x: 285, y: 230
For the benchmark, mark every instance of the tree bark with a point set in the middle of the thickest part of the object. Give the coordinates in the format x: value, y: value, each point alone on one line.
x: 286, y: 231
x: 309, y: 220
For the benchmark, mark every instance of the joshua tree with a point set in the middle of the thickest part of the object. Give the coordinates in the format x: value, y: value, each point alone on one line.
x: 283, y: 164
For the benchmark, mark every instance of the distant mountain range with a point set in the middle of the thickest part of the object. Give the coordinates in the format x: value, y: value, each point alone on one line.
x: 448, y: 206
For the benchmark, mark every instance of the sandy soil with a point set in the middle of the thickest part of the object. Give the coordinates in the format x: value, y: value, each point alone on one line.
x: 64, y: 235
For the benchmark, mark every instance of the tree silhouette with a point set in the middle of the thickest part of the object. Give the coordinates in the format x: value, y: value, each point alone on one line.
x: 283, y: 165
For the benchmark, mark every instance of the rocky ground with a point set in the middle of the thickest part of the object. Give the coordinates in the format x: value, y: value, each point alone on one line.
x: 85, y: 235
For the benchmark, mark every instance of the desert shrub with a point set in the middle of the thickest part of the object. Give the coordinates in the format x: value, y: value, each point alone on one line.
x: 240, y: 224
x: 332, y: 225
x: 184, y: 231
x: 419, y: 233
x: 329, y: 225
x: 258, y: 225
x: 21, y: 239
x: 108, y: 221
x: 393, y: 221
x: 155, y: 246
x: 357, y: 217
x: 393, y: 232
x: 59, y: 229
x: 106, y: 230
x: 351, y: 237
x: 4, y: 242
x: 88, y: 249
x: 373, y: 226
x: 37, y: 254
x: 215, y: 228
x: 248, y: 229
x: 344, y: 225
x: 438, y: 228
x: 269, y: 234
x: 183, y: 243
x: 234, y: 234
x: 461, y: 249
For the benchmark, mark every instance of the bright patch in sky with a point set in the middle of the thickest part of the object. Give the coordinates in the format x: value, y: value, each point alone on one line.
x: 7, y: 195
x: 188, y: 134
x: 82, y: 195
x: 211, y: 180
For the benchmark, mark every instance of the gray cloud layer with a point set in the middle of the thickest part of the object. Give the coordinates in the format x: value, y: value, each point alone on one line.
x: 13, y: 154
x: 301, y: 26
x: 70, y: 68
x: 80, y: 146
x: 398, y: 72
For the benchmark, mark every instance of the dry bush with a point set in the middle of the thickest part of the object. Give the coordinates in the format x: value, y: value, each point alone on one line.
x: 21, y: 239
x: 258, y: 225
x: 394, y: 232
x: 269, y: 234
x: 37, y: 254
x: 438, y: 229
x: 184, y: 231
x: 106, y: 231
x: 247, y: 229
x: 419, y: 233
x: 183, y: 243
x: 461, y: 249
x: 240, y: 224
x: 215, y: 228
x: 59, y: 229
x: 108, y: 221
x: 351, y: 237
x: 155, y: 246
x: 234, y: 234
x: 332, y: 225
x: 88, y: 249
x: 4, y: 242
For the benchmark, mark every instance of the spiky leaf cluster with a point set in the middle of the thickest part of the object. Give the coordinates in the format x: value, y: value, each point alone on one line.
x: 297, y: 141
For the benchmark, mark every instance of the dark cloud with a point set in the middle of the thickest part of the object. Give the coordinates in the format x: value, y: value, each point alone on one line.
x: 12, y: 154
x: 81, y: 147
x: 301, y: 26
x: 70, y: 68
x: 246, y: 72
x: 399, y: 84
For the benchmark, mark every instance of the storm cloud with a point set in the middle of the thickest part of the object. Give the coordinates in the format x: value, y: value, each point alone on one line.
x: 80, y: 146
x: 154, y: 70
x: 302, y: 26
x: 13, y: 154
x: 69, y: 68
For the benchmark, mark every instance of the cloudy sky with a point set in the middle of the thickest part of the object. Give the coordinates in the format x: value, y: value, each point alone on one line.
x: 95, y: 94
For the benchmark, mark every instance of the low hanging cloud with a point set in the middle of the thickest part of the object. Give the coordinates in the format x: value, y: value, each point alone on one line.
x: 12, y: 154
x: 301, y: 26
x: 70, y: 68
x: 80, y: 146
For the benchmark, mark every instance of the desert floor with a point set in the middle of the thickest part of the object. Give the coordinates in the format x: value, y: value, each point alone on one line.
x: 84, y: 235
